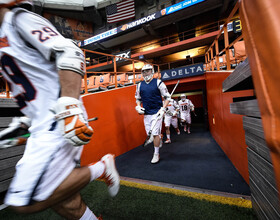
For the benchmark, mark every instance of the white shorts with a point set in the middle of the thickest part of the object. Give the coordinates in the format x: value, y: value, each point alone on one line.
x: 48, y: 159
x: 186, y: 118
x: 148, y: 120
x: 170, y: 120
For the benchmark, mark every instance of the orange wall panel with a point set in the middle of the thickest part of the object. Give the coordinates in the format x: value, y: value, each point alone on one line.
x: 196, y: 100
x: 226, y: 128
x: 118, y: 129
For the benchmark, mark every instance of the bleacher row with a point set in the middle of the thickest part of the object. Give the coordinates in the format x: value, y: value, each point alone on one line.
x: 107, y: 81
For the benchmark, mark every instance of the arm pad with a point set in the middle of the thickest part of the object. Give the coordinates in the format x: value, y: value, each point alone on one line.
x: 69, y: 56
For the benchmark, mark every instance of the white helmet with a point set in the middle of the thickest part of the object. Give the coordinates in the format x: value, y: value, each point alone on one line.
x: 12, y: 3
x: 147, y: 75
x: 183, y: 97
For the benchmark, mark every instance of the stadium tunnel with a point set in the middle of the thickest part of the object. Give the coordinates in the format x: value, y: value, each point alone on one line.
x: 120, y: 128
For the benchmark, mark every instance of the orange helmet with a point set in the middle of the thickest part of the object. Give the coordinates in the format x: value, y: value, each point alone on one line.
x: 11, y: 3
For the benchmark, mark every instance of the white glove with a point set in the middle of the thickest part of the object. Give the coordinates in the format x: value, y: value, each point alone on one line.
x: 140, y: 110
x: 71, y: 122
x: 174, y: 114
x: 160, y: 113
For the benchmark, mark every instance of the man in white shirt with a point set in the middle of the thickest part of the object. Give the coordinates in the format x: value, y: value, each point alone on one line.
x: 150, y: 92
x: 186, y: 106
x: 170, y: 118
x: 44, y: 71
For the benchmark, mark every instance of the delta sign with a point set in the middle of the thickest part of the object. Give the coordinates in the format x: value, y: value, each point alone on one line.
x: 182, y: 72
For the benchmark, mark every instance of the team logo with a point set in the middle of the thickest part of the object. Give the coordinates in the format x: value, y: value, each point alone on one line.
x: 163, y: 12
x: 124, y: 27
x: 165, y: 76
x: 102, y: 79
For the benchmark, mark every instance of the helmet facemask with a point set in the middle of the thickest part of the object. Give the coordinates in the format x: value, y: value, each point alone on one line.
x: 183, y: 97
x: 147, y: 75
x: 147, y: 72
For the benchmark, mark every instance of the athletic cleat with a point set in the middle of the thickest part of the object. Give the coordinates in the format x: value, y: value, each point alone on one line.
x: 189, y: 132
x: 111, y: 175
x: 155, y: 158
x: 168, y: 141
x: 178, y: 131
x: 185, y: 130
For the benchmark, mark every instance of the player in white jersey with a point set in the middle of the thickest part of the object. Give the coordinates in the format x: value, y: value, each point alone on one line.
x: 170, y: 118
x: 150, y: 92
x: 44, y: 71
x: 186, y: 106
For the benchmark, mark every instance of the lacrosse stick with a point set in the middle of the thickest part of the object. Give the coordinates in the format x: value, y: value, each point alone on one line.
x: 147, y: 141
x: 92, y: 119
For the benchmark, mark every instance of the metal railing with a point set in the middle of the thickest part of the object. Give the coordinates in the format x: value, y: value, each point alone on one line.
x: 212, y: 60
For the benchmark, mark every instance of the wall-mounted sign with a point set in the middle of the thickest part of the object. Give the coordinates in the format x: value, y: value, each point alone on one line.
x: 182, y: 72
x: 139, y: 21
x: 125, y: 54
x: 100, y: 37
x: 181, y: 5
x: 236, y: 26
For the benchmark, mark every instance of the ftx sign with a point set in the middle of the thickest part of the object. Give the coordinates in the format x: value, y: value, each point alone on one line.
x: 182, y: 72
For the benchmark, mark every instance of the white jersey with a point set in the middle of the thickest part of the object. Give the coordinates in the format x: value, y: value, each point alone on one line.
x: 186, y: 106
x: 171, y: 107
x: 33, y: 78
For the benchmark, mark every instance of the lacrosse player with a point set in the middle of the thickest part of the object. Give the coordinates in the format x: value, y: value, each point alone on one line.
x: 150, y: 92
x: 170, y: 118
x: 44, y: 71
x: 186, y: 106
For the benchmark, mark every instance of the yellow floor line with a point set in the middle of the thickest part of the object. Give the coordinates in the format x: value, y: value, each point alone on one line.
x: 201, y: 196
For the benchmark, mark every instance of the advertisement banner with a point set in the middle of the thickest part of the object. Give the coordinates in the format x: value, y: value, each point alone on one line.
x: 140, y: 21
x: 181, y: 5
x: 125, y: 54
x: 182, y: 72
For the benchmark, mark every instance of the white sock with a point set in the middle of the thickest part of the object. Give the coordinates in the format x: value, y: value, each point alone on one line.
x: 168, y: 136
x: 156, y: 150
x: 96, y: 170
x: 88, y: 215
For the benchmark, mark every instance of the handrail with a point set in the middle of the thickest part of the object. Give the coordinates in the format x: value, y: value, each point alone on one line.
x: 114, y: 72
x: 209, y: 55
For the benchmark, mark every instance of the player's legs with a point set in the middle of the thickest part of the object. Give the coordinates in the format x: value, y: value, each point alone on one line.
x: 46, y: 174
x: 174, y: 123
x: 167, y: 121
x: 188, y: 123
x: 74, y: 208
x: 157, y: 139
x: 77, y: 180
x: 183, y: 121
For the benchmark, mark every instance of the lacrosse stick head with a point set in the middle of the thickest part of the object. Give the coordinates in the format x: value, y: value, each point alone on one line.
x: 148, y: 140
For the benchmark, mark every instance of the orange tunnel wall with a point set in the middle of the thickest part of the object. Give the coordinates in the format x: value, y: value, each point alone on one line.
x: 118, y: 129
x: 226, y: 128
